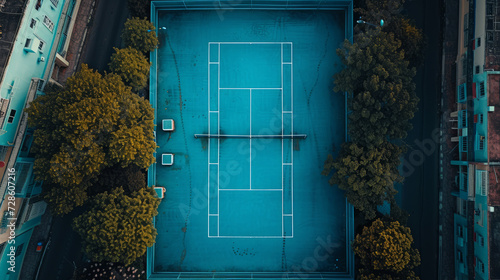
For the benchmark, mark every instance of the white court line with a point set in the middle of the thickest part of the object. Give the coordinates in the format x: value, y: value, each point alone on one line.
x: 287, y: 163
x: 250, y: 43
x: 282, y: 134
x: 250, y: 138
x: 282, y: 155
x: 291, y: 90
x: 250, y: 88
x: 218, y: 140
x: 272, y: 236
x: 287, y: 215
x: 208, y: 169
x: 252, y: 190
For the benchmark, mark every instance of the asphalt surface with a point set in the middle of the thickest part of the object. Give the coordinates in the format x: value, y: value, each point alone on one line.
x: 105, y: 34
x: 419, y: 195
x: 64, y: 252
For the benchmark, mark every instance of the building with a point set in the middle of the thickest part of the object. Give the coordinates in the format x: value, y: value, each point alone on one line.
x: 477, y: 156
x: 34, y: 38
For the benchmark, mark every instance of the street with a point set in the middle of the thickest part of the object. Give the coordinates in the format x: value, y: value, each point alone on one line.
x: 65, y: 249
x: 105, y: 34
x: 419, y: 195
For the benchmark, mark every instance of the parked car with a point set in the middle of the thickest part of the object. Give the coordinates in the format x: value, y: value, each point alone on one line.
x: 39, y: 246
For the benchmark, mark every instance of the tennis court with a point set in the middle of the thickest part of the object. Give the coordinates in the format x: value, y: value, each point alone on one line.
x: 250, y: 94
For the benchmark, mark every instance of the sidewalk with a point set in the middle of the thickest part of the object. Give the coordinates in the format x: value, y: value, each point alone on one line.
x: 448, y: 202
x: 32, y: 258
x: 83, y: 24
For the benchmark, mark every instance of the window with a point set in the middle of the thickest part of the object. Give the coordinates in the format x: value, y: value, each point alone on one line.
x: 48, y: 23
x: 481, y: 240
x: 478, y: 41
x: 19, y: 249
x: 460, y: 231
x: 33, y: 23
x: 12, y: 115
x: 477, y: 69
x: 28, y: 43
x: 54, y: 2
x: 40, y: 46
x: 481, y: 182
x: 480, y: 118
x: 481, y: 89
x: 460, y: 256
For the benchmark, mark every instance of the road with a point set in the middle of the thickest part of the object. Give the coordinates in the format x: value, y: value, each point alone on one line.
x: 63, y: 252
x: 419, y: 195
x: 105, y: 34
x: 65, y: 248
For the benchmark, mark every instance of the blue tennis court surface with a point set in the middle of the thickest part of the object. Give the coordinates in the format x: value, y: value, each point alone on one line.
x: 246, y: 198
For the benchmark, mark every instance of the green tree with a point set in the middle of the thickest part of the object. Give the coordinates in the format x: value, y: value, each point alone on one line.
x: 385, y: 251
x: 132, y: 66
x: 76, y: 135
x: 412, y: 39
x: 382, y: 94
x: 135, y: 35
x: 131, y: 178
x: 118, y: 228
x: 375, y: 10
x: 367, y: 175
x: 139, y: 8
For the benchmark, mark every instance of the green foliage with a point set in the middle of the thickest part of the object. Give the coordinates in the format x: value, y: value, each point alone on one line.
x: 132, y: 66
x: 75, y: 136
x: 375, y: 10
x: 385, y: 251
x: 135, y: 35
x: 131, y: 178
x: 118, y: 228
x: 139, y: 8
x: 411, y: 37
x: 366, y: 174
x: 378, y: 78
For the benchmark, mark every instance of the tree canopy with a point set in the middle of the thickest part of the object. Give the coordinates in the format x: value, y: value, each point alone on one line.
x: 379, y: 81
x: 385, y: 250
x: 412, y: 39
x: 131, y: 178
x: 93, y: 122
x: 132, y: 66
x: 367, y: 175
x: 136, y: 35
x: 375, y: 10
x: 118, y: 228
